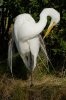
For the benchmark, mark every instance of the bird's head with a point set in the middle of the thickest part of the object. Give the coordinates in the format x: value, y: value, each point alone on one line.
x: 55, y: 18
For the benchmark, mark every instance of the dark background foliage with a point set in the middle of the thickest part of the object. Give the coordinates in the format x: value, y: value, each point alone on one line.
x: 55, y: 42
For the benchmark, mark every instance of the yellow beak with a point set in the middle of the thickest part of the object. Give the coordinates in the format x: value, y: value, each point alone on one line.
x: 49, y: 29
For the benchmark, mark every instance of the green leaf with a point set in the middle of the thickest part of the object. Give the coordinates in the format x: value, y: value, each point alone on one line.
x: 63, y: 44
x: 64, y: 16
x: 45, y: 1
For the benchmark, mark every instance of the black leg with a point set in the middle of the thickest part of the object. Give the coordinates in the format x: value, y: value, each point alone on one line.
x: 31, y: 84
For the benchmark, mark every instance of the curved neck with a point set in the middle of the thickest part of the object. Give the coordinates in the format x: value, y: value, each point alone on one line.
x: 37, y: 29
x: 40, y: 25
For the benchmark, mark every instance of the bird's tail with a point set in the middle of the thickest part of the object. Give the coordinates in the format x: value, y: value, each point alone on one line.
x: 10, y: 55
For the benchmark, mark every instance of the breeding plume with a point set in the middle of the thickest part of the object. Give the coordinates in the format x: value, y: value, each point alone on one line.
x: 27, y: 36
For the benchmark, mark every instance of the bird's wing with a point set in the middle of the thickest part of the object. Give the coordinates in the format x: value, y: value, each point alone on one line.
x: 28, y: 60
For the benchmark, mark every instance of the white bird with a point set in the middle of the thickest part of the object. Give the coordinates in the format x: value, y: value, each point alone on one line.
x: 27, y: 36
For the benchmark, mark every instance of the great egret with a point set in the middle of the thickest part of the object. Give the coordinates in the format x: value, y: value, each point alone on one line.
x: 27, y: 36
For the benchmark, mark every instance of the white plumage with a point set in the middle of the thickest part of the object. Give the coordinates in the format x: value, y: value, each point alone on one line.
x: 26, y: 35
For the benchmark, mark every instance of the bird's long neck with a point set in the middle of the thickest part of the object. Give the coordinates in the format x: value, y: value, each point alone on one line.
x: 37, y: 29
x: 40, y: 25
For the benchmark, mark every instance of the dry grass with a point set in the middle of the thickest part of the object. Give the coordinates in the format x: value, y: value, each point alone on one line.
x: 48, y: 87
x: 6, y: 86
